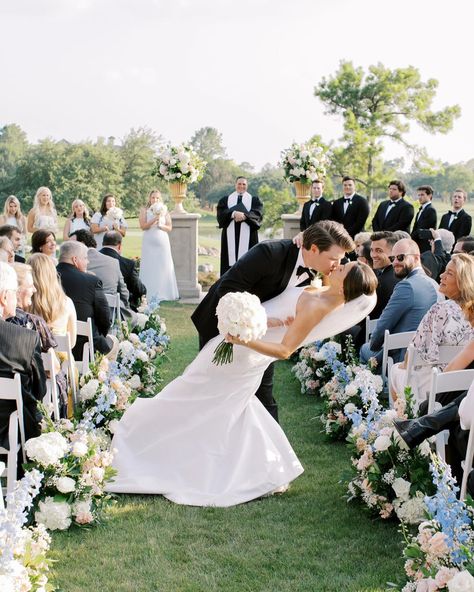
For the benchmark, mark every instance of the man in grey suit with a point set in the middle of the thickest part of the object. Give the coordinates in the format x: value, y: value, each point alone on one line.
x: 411, y: 299
x: 107, y: 270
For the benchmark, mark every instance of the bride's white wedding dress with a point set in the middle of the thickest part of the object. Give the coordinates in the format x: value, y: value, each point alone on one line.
x: 205, y: 439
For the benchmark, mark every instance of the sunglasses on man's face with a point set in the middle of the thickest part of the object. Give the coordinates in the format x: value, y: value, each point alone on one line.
x: 399, y: 258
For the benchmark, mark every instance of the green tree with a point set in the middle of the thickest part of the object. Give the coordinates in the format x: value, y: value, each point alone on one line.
x: 375, y: 106
x: 13, y: 147
x: 207, y: 141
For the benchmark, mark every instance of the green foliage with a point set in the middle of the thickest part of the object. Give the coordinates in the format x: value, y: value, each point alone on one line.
x: 377, y: 105
x: 276, y: 202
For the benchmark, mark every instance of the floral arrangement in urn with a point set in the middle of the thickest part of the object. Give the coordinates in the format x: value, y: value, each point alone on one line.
x: 304, y: 163
x: 179, y: 164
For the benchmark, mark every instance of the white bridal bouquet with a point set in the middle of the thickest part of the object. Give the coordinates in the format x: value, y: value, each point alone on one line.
x: 241, y: 315
x: 158, y: 209
x: 115, y: 214
x: 179, y: 164
x: 304, y: 163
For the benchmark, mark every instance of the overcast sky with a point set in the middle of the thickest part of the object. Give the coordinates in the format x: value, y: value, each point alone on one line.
x: 78, y: 69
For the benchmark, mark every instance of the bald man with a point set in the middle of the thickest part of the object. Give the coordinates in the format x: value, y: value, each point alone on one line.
x: 411, y: 299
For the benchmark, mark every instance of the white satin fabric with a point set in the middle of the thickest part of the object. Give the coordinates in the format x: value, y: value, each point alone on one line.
x: 205, y: 439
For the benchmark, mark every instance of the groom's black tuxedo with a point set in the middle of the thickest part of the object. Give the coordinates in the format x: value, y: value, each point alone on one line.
x: 265, y: 271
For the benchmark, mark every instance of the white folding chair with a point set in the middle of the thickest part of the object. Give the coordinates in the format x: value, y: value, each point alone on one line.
x: 391, y: 342
x: 370, y: 325
x: 113, y: 300
x: 468, y: 462
x: 84, y: 329
x: 64, y: 345
x: 51, y: 397
x: 414, y: 360
x: 10, y: 390
x: 2, y: 470
x: 445, y: 382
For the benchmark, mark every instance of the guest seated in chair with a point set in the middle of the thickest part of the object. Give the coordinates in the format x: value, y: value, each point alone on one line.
x: 446, y: 323
x: 437, y: 258
x: 20, y: 353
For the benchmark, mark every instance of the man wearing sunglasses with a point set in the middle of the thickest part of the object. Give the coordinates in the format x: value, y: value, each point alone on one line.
x: 411, y: 299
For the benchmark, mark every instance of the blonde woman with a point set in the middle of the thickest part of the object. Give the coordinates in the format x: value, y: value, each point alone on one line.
x: 78, y: 220
x: 156, y: 264
x: 446, y: 323
x: 12, y: 214
x: 42, y: 215
x: 49, y: 301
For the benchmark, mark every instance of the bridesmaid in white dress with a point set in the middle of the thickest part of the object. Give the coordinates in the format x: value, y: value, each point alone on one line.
x: 79, y: 219
x: 205, y: 439
x: 42, y: 215
x: 156, y: 265
x: 13, y: 216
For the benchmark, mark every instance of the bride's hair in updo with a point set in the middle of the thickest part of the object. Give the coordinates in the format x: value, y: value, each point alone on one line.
x: 360, y: 280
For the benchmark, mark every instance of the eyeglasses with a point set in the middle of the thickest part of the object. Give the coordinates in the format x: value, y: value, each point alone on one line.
x: 399, y: 258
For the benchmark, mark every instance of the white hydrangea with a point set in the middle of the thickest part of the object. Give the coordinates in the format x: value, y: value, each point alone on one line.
x: 135, y: 382
x: 89, y: 390
x: 141, y: 320
x: 240, y: 314
x: 47, y: 449
x: 461, y: 582
x: 54, y: 515
x: 411, y: 511
x: 79, y: 448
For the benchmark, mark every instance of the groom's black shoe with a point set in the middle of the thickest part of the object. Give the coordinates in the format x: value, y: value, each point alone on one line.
x: 414, y: 431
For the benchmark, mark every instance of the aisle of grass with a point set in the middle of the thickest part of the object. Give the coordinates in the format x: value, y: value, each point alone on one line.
x: 306, y: 540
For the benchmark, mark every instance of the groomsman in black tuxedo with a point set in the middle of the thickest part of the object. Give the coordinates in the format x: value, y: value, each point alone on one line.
x: 351, y: 210
x: 395, y: 213
x: 425, y: 218
x: 266, y: 271
x: 240, y: 216
x: 317, y: 208
x: 457, y: 220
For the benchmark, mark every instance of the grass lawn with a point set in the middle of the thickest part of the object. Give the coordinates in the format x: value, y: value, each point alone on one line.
x: 309, y: 539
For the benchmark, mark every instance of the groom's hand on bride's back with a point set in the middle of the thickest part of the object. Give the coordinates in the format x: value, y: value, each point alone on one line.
x: 298, y: 240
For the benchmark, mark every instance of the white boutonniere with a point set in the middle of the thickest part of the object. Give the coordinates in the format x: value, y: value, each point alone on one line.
x: 317, y: 281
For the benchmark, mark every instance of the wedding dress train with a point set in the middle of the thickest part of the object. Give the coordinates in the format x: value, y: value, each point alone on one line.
x: 205, y: 439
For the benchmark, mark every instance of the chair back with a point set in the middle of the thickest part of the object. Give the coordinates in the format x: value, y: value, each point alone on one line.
x: 12, y: 454
x: 394, y: 341
x: 468, y: 461
x: 113, y: 300
x: 51, y: 398
x: 445, y: 382
x: 370, y: 325
x: 84, y: 328
x: 2, y: 471
x: 10, y: 390
x: 445, y: 354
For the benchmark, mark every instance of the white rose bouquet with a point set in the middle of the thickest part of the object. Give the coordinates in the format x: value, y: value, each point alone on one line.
x: 304, y: 163
x: 115, y: 214
x: 158, y: 209
x: 179, y: 164
x: 241, y: 315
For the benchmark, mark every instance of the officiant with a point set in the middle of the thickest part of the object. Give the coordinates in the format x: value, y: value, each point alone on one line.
x: 240, y: 216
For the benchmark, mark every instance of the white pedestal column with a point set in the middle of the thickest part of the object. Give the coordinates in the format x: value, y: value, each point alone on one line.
x: 184, y: 247
x: 291, y: 225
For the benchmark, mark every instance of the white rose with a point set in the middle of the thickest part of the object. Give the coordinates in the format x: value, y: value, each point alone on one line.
x: 113, y: 426
x: 47, y: 449
x: 382, y: 443
x: 141, y: 355
x: 134, y: 338
x: 54, y: 515
x: 135, y: 382
x: 126, y: 348
x: 461, y: 582
x: 79, y: 448
x: 81, y: 507
x: 349, y: 408
x: 351, y: 389
x: 141, y: 320
x: 66, y: 485
x: 401, y: 487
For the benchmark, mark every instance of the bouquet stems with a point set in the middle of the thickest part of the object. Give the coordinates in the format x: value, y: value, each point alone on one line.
x: 224, y: 353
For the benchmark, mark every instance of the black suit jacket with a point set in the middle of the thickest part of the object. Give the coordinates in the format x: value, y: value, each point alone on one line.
x: 399, y: 217
x: 20, y: 353
x: 435, y: 262
x: 386, y: 282
x: 264, y: 270
x: 322, y: 211
x: 19, y: 259
x: 356, y: 216
x: 136, y: 287
x: 426, y: 220
x: 85, y: 290
x: 460, y: 227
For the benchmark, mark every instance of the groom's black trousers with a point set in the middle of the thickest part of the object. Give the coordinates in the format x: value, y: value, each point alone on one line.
x: 265, y: 391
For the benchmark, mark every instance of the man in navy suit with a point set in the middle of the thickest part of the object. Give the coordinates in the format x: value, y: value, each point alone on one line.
x: 317, y: 208
x: 351, y: 210
x: 395, y: 213
x: 425, y: 219
x: 457, y: 220
x: 411, y: 299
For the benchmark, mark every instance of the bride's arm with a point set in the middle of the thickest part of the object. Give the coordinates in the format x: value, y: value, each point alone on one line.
x: 307, y: 316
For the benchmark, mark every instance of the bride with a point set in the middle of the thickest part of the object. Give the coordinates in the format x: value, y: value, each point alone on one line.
x: 205, y: 440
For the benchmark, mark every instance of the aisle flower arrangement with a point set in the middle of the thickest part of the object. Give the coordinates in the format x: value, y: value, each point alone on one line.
x: 179, y: 164
x: 24, y: 564
x: 440, y: 556
x: 388, y: 478
x: 304, y: 163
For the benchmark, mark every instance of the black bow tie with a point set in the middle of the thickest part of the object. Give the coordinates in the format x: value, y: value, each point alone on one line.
x: 348, y: 198
x: 455, y: 214
x: 300, y: 270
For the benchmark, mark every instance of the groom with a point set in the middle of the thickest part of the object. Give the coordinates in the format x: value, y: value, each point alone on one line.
x: 266, y: 271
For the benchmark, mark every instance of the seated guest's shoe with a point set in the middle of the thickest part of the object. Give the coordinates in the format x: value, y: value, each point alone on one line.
x: 414, y: 431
